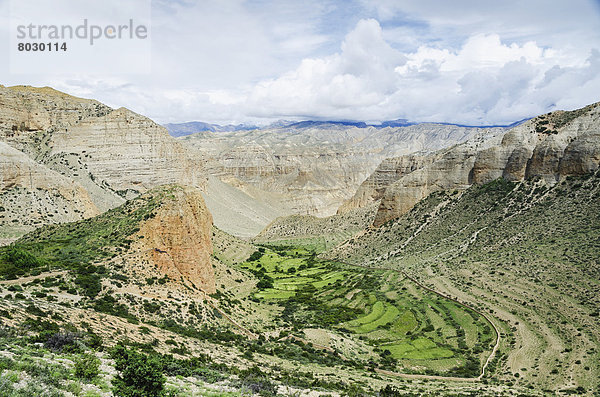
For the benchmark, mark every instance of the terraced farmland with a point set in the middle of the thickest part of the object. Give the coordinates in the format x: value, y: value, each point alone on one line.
x: 405, y: 327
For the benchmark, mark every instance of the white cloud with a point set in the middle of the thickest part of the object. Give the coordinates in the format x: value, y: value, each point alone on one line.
x: 485, y: 81
x: 466, y: 61
x: 362, y: 74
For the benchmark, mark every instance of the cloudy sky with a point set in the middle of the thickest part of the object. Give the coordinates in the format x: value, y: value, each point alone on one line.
x: 474, y: 62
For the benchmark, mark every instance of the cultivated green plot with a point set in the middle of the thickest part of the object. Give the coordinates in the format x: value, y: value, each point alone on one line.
x: 376, y: 312
x: 405, y: 323
x: 312, y: 271
x: 291, y: 283
x: 387, y: 316
x: 382, y: 310
x: 328, y: 278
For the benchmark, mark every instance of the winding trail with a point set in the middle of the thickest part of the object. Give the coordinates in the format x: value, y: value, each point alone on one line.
x: 27, y: 279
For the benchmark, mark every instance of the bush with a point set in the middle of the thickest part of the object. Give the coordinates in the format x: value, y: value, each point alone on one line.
x: 17, y: 262
x: 256, y: 255
x: 264, y: 283
x: 63, y: 341
x: 389, y: 391
x: 139, y: 375
x: 255, y: 381
x: 87, y: 367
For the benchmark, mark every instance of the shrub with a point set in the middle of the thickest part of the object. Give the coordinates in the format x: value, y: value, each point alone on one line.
x: 87, y: 367
x: 17, y: 262
x: 264, y: 283
x: 139, y: 375
x: 256, y: 255
x: 389, y: 391
x: 255, y: 381
x: 63, y: 341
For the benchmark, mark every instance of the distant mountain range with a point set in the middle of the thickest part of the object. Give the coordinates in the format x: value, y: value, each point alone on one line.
x: 183, y: 129
x: 192, y: 127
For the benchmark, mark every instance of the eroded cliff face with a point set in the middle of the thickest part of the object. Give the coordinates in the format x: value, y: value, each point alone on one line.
x: 176, y: 241
x: 314, y: 170
x: 108, y: 155
x: 129, y: 152
x: 549, y: 147
x: 386, y: 173
x: 28, y: 114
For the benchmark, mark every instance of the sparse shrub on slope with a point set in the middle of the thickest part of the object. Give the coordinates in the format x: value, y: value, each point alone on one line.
x: 87, y: 367
x: 139, y: 375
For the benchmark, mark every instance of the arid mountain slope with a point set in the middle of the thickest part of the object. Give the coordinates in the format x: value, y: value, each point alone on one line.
x: 525, y: 252
x: 110, y: 155
x: 314, y: 169
x: 550, y: 147
x: 32, y: 195
x: 238, y: 212
x: 322, y: 233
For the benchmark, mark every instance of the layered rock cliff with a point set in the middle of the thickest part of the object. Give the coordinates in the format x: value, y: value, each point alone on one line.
x: 393, y: 169
x: 110, y: 154
x: 314, y: 169
x: 549, y: 147
x: 176, y: 240
x: 128, y: 151
x: 386, y: 173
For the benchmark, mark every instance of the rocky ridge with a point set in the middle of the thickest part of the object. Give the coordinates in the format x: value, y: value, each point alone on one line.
x: 549, y: 147
x: 109, y: 155
x: 313, y: 169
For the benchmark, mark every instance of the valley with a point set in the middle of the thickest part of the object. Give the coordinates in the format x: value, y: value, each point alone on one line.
x: 309, y: 259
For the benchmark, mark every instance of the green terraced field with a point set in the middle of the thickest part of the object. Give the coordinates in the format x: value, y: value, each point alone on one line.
x: 404, y: 325
x: 376, y: 312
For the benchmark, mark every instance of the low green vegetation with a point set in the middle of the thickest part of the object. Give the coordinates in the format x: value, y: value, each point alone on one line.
x: 78, y: 245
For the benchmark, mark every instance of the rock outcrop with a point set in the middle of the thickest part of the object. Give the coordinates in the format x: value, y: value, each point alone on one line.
x: 549, y: 147
x: 176, y: 241
x: 386, y: 173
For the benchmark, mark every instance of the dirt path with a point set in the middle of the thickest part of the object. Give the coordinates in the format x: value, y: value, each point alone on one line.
x: 31, y: 278
x: 429, y: 377
x: 245, y: 330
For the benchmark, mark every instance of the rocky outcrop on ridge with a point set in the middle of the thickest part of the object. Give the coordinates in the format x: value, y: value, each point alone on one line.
x: 176, y: 240
x: 550, y: 147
